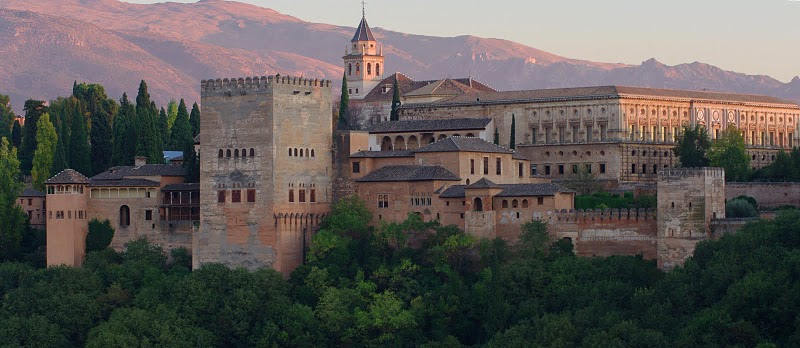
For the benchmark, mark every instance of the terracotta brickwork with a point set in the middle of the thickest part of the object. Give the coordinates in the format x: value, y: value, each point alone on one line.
x: 260, y: 210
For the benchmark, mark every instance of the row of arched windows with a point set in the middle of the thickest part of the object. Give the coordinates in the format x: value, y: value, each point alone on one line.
x: 295, y: 152
x: 236, y: 153
x: 369, y: 69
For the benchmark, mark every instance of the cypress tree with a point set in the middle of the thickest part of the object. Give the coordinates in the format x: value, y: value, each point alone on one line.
x: 194, y: 120
x: 512, y: 143
x: 45, y: 151
x: 101, y: 136
x: 172, y: 113
x: 191, y: 161
x: 148, y: 142
x: 164, y: 127
x: 60, y: 156
x: 78, y: 154
x: 395, y: 101
x: 33, y: 109
x: 120, y: 156
x: 7, y: 117
x: 182, y: 130
x: 16, y: 135
x: 496, y: 136
x: 344, y: 107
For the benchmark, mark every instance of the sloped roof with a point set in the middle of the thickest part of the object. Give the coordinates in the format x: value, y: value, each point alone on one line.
x: 409, y: 173
x: 604, y: 92
x: 117, y: 173
x: 483, y: 184
x: 519, y: 156
x: 68, y: 176
x: 430, y: 125
x: 363, y: 33
x: 182, y: 187
x: 29, y: 192
x: 383, y: 154
x: 124, y: 183
x: 408, y: 85
x: 463, y: 144
x: 510, y: 190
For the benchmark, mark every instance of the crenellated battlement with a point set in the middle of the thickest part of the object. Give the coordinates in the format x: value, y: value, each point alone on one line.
x: 680, y: 173
x: 597, y: 215
x: 246, y: 85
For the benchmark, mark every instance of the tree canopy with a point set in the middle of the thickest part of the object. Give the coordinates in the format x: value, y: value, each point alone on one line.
x: 46, y: 139
x: 691, y: 148
x: 728, y: 151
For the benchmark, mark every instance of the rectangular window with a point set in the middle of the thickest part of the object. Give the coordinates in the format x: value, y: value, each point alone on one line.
x: 291, y: 196
x: 548, y: 136
x: 486, y: 166
x: 602, y: 168
x: 589, y: 168
x: 251, y: 196
x: 546, y: 170
x: 30, y: 214
x: 561, y: 169
x: 540, y: 200
x: 644, y: 169
x: 574, y: 169
x: 561, y: 134
x: 472, y: 166
x: 633, y: 132
x: 771, y: 138
x: 236, y: 196
x: 148, y: 215
x: 30, y: 202
x: 589, y: 134
x: 575, y: 130
x: 356, y: 167
x: 664, y: 135
x: 602, y: 132
x: 675, y: 134
x: 313, y: 196
x: 633, y: 169
x: 498, y: 166
x: 655, y: 169
x: 643, y: 135
x: 533, y: 170
x: 220, y: 196
x: 654, y: 136
x: 302, y: 196
x: 521, y: 170
x: 383, y: 201
x: 533, y: 135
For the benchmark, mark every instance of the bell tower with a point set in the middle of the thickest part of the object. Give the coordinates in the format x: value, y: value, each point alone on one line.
x: 363, y: 61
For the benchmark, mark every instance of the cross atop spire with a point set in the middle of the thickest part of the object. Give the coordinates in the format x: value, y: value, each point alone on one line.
x: 363, y: 9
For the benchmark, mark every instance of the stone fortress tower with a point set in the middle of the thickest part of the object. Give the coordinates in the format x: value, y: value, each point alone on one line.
x: 363, y: 61
x: 688, y: 200
x: 67, y: 224
x: 266, y: 171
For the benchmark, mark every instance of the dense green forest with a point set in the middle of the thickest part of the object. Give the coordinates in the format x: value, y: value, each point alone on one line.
x: 417, y: 284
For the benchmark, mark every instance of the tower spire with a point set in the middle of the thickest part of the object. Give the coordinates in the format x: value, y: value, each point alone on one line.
x: 363, y: 9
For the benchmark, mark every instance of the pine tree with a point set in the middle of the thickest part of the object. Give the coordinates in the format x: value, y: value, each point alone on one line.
x: 46, y: 139
x: 496, y: 136
x: 33, y: 109
x: 16, y: 135
x: 101, y: 141
x: 513, y: 142
x: 181, y: 130
x: 194, y: 120
x: 172, y: 113
x: 78, y: 155
x: 344, y: 107
x: 164, y: 127
x: 395, y: 101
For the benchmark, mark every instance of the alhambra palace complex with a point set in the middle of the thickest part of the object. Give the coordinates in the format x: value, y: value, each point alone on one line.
x: 272, y: 165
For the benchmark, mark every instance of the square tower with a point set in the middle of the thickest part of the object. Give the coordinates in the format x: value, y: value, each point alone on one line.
x: 265, y: 170
x: 688, y: 199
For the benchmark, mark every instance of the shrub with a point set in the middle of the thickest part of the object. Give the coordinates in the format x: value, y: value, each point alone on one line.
x: 100, y: 235
x: 740, y: 208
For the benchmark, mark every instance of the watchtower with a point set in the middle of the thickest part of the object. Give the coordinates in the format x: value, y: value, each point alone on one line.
x: 67, y: 225
x: 688, y: 199
x: 265, y: 170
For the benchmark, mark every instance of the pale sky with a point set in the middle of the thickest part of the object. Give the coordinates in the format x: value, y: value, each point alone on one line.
x: 748, y: 36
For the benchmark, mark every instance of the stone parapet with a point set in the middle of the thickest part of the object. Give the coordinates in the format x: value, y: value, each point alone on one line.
x: 249, y: 85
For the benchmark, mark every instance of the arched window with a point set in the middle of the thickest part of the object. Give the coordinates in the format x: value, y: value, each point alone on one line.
x: 524, y: 203
x: 290, y: 152
x: 228, y: 153
x: 301, y: 152
x: 377, y: 68
x: 307, y: 154
x: 369, y: 68
x: 244, y: 152
x: 221, y: 153
x: 514, y: 204
x: 478, y: 204
x: 295, y: 152
x: 124, y: 216
x: 236, y: 153
x: 312, y: 152
x: 252, y: 152
x: 350, y: 69
x: 358, y: 68
x: 504, y: 204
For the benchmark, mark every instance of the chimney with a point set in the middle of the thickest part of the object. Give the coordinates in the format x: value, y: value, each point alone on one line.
x: 139, y: 161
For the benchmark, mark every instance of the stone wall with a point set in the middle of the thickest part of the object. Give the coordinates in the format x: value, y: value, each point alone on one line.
x: 769, y: 195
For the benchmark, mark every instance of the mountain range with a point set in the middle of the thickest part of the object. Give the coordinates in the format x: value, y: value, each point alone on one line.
x: 48, y: 44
